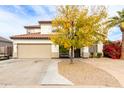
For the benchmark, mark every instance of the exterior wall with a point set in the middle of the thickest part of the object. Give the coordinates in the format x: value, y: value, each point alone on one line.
x: 81, y: 52
x: 46, y: 28
x: 5, y: 43
x: 70, y: 53
x: 85, y: 52
x: 100, y: 47
x: 33, y: 30
x: 54, y: 48
x: 14, y: 50
x: 55, y: 51
x: 97, y: 48
x: 93, y: 48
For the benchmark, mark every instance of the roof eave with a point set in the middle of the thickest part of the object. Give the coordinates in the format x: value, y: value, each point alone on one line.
x: 45, y: 22
x: 14, y: 37
x: 31, y: 26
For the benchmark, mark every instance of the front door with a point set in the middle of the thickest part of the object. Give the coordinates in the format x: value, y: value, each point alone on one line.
x: 77, y: 53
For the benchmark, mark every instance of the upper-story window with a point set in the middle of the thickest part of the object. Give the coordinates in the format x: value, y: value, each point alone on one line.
x: 33, y: 29
x: 29, y: 31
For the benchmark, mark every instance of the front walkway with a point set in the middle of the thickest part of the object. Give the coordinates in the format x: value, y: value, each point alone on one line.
x: 114, y: 67
x: 52, y: 77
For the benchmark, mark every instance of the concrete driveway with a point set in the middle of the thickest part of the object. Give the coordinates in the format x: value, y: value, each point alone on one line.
x: 22, y: 72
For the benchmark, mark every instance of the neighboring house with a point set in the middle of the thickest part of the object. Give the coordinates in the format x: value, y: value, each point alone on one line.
x: 5, y: 48
x: 36, y: 43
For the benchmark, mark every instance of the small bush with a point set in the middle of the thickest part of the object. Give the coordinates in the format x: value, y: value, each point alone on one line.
x: 112, y: 49
x: 99, y: 55
x: 92, y: 55
x: 95, y: 55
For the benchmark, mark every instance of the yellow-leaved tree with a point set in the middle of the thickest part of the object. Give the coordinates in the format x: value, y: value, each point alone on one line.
x: 79, y: 26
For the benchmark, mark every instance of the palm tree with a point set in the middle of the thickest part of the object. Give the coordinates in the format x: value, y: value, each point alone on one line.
x: 118, y: 21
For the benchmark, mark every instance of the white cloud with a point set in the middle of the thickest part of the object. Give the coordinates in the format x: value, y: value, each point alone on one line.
x: 115, y: 34
x: 52, y: 8
x: 10, y: 24
x: 42, y: 14
x: 19, y: 10
x: 38, y: 9
x: 112, y: 10
x: 13, y: 24
x: 115, y: 37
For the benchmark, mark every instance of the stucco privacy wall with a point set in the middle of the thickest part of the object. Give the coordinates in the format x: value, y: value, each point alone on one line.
x: 54, y: 48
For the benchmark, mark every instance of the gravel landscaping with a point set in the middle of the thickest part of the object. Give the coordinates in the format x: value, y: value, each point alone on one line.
x: 84, y: 74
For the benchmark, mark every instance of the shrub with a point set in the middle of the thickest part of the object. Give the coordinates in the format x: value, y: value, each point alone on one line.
x: 112, y: 49
x: 92, y: 55
x: 99, y: 55
x: 95, y: 55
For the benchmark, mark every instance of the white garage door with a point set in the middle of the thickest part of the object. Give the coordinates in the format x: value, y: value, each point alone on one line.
x: 34, y: 51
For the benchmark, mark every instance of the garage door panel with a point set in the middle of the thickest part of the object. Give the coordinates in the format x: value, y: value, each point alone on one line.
x: 34, y: 51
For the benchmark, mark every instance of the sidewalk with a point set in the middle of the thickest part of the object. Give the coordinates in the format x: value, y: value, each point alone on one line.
x: 52, y: 76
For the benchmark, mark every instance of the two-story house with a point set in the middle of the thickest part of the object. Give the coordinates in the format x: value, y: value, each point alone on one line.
x: 36, y: 43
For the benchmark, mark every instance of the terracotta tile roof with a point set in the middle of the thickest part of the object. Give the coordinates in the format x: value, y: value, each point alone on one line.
x: 45, y: 22
x: 32, y: 36
x: 32, y: 26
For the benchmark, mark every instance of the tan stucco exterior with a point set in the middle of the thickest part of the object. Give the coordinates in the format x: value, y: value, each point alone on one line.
x: 40, y: 47
x: 43, y: 46
x: 55, y: 54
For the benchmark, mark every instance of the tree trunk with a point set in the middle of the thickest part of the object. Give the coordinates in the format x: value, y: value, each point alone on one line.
x: 122, y: 49
x: 72, y: 54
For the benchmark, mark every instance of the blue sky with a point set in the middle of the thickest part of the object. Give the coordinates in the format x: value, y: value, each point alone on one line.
x: 14, y: 18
